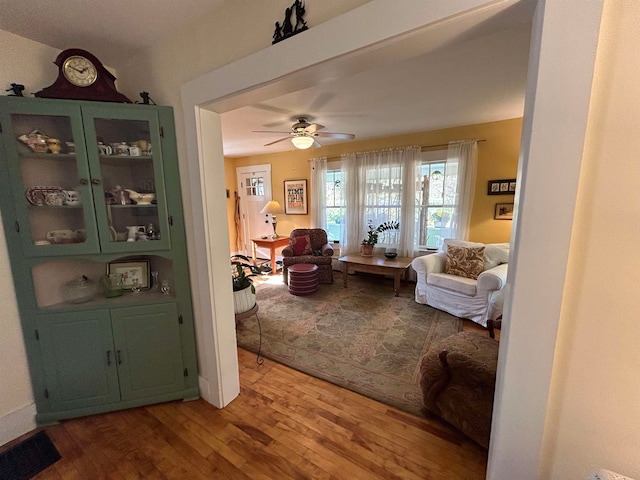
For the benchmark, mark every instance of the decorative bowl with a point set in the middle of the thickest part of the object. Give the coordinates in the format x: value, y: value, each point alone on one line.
x: 390, y: 255
x: 144, y: 198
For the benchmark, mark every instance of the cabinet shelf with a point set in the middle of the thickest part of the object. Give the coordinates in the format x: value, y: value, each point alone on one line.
x: 125, y: 157
x: 133, y: 205
x: 55, y: 207
x: 48, y: 156
x: 126, y: 299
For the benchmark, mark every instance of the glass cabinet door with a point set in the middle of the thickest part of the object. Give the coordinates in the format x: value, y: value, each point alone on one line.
x: 125, y: 160
x: 50, y: 180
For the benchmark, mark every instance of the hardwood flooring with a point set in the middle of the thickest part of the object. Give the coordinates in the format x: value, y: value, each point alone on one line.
x: 284, y: 425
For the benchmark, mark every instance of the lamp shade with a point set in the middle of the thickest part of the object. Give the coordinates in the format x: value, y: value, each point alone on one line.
x: 272, y: 207
x: 302, y: 141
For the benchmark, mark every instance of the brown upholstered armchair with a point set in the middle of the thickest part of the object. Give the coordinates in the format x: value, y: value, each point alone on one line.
x: 457, y: 377
x: 308, y: 245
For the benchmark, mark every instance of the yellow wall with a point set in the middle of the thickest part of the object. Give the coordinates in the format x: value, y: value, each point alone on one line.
x: 497, y: 159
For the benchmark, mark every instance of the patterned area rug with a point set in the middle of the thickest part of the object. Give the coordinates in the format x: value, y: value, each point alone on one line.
x: 362, y: 338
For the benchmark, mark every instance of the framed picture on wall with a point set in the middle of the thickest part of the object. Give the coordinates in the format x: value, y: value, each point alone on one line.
x: 295, y: 197
x: 503, y: 211
x: 502, y: 187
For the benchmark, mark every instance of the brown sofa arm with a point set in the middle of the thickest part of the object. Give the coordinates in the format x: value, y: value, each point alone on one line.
x: 327, y: 250
x: 434, y: 378
x: 473, y: 372
x: 287, y: 251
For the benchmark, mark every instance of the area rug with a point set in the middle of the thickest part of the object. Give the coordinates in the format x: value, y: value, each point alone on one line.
x: 362, y: 338
x: 28, y: 458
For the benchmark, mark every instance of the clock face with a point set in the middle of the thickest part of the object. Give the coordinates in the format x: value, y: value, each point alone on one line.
x: 79, y: 71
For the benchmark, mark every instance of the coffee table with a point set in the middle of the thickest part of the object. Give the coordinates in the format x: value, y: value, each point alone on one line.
x: 378, y: 265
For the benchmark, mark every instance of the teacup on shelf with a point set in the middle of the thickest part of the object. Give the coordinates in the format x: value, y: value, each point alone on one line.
x: 54, y: 198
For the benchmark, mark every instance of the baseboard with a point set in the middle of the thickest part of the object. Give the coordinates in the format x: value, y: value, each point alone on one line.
x: 17, y: 423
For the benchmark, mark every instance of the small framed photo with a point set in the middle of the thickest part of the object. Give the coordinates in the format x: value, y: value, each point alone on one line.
x: 503, y: 211
x: 131, y: 271
x: 295, y: 197
x: 502, y: 187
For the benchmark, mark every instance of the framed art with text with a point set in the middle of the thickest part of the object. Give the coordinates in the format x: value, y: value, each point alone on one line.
x: 295, y: 197
x: 502, y: 187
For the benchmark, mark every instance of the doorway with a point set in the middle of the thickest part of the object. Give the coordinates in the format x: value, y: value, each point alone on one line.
x: 562, y: 76
x: 254, y: 191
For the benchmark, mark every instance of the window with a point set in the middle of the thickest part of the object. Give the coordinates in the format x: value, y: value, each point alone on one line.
x: 334, y: 204
x: 254, y: 186
x: 383, y: 200
x: 435, y: 200
x: 435, y: 204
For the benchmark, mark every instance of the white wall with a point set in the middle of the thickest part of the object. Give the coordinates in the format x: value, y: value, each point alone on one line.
x: 30, y: 64
x: 594, y: 416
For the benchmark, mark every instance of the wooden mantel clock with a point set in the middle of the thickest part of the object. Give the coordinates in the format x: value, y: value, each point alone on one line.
x: 81, y: 76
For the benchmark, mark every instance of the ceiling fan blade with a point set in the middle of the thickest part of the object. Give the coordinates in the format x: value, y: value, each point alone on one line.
x: 316, y: 144
x: 320, y: 101
x: 270, y: 108
x: 280, y: 140
x: 313, y: 128
x: 269, y: 131
x: 344, y: 136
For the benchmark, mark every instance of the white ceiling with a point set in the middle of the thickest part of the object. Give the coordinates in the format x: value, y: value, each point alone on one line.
x: 477, y: 80
x: 110, y: 29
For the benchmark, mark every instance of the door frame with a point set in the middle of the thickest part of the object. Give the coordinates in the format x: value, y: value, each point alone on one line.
x: 560, y: 74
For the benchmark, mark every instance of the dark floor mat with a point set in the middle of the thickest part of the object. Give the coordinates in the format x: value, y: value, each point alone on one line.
x: 28, y: 458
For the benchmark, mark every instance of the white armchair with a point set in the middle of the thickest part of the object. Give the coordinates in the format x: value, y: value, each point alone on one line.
x: 478, y: 300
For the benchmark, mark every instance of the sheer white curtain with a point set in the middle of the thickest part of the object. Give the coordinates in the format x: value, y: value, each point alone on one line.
x: 318, y: 198
x: 412, y: 160
x: 380, y: 187
x: 353, y: 196
x: 462, y: 160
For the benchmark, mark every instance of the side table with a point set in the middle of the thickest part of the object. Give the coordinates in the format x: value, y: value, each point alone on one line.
x: 271, y: 244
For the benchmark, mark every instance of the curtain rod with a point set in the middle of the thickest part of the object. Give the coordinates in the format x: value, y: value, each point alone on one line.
x: 422, y: 147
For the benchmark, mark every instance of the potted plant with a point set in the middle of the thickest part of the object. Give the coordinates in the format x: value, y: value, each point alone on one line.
x: 368, y: 244
x: 244, y: 292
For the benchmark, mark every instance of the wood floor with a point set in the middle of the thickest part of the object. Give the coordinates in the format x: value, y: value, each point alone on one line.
x: 284, y: 425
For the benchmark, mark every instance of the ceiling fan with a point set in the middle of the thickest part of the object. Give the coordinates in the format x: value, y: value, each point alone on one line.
x: 303, y: 134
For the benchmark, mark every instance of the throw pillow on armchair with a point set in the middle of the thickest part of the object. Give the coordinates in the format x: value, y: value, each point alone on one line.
x: 301, y: 245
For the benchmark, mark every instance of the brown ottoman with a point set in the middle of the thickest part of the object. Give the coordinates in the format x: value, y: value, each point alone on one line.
x: 457, y: 377
x: 303, y: 279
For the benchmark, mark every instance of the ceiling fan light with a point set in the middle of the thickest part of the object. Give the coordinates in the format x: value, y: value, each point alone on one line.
x: 302, y: 141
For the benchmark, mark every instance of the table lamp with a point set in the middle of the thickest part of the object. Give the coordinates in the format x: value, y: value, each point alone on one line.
x: 272, y: 208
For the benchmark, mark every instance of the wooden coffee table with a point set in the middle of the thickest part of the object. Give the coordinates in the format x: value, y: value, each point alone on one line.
x: 377, y: 264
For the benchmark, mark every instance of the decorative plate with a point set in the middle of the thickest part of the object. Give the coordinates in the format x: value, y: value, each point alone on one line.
x: 37, y: 195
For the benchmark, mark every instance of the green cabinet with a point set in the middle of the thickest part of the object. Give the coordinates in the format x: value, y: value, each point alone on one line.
x: 99, y: 357
x: 85, y: 186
